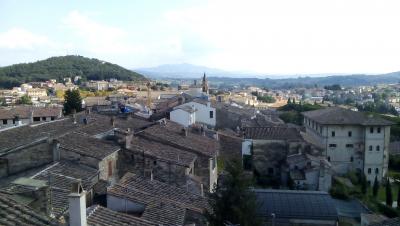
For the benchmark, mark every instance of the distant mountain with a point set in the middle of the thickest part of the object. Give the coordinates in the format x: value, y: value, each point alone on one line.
x: 188, y: 71
x: 64, y: 66
x: 344, y: 80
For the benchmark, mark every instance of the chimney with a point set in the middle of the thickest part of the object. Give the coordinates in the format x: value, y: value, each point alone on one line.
x: 56, y: 150
x: 112, y: 121
x: 216, y: 136
x: 31, y: 115
x: 185, y: 131
x: 128, y: 139
x: 77, y: 205
x: 201, y: 190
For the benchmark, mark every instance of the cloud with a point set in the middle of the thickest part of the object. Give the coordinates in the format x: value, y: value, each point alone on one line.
x: 309, y: 36
x: 18, y: 38
x: 97, y: 37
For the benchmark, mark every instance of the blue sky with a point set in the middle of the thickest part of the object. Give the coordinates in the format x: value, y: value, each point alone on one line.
x: 276, y: 37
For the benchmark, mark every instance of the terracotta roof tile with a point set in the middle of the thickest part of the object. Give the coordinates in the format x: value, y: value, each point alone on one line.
x: 171, y: 133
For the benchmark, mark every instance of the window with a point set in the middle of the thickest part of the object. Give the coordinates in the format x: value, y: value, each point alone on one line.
x: 52, y: 118
x: 332, y: 145
x: 110, y: 168
x: 376, y: 170
x: 351, y: 159
x: 371, y: 129
x: 369, y: 170
x: 4, y: 121
x: 350, y: 133
x: 378, y: 148
x: 329, y: 158
x: 370, y: 147
x: 271, y: 171
x: 333, y: 133
x: 378, y: 130
x: 155, y: 162
x: 211, y: 114
x: 36, y: 119
x: 320, y: 129
x: 349, y: 145
x: 43, y: 118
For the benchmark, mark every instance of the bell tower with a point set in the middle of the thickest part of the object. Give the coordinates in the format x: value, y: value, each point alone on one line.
x: 204, y: 84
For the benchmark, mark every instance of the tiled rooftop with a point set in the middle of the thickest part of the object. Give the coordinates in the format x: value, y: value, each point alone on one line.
x: 341, y: 116
x: 145, y: 191
x: 172, y: 133
x: 24, y: 112
x: 86, y: 145
x: 162, y: 151
x: 27, y: 134
x: 100, y: 216
x: 13, y: 213
x: 271, y: 133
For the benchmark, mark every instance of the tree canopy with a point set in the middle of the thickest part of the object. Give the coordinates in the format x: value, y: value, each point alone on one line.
x: 232, y: 201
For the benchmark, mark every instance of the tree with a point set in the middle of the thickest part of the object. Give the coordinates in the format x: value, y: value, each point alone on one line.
x: 364, y: 185
x: 72, y: 101
x: 25, y: 99
x: 375, y: 188
x: 289, y: 101
x: 232, y: 200
x: 389, y: 198
x: 398, y: 198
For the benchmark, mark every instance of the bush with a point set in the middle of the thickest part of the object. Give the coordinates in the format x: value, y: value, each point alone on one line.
x: 339, y: 191
x: 387, y: 210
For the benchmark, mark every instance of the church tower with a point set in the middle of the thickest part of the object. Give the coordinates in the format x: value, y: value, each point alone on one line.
x: 204, y: 84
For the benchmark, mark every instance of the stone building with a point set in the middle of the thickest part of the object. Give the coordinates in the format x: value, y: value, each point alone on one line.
x: 160, y: 161
x: 89, y: 151
x: 351, y: 141
x: 268, y: 147
x: 23, y: 115
x: 205, y: 148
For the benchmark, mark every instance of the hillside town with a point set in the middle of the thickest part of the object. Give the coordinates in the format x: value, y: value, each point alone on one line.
x: 148, y: 153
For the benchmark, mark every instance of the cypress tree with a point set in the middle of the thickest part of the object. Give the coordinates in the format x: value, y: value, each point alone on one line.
x: 398, y: 198
x: 375, y: 188
x: 72, y: 101
x: 363, y: 181
x: 289, y: 101
x: 389, y: 198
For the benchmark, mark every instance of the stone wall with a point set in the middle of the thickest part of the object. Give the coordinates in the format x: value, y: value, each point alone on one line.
x: 164, y: 171
x: 25, y: 158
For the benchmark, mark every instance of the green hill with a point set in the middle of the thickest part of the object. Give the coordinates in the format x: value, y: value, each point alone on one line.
x: 64, y: 66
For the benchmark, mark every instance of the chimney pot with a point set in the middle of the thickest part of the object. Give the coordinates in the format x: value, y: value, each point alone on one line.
x: 77, y: 205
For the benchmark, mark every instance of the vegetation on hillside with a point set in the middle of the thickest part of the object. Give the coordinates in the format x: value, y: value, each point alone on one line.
x: 62, y: 67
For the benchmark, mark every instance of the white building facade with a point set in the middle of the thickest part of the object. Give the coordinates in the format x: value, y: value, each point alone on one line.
x: 205, y: 113
x: 183, y: 115
x: 351, y: 141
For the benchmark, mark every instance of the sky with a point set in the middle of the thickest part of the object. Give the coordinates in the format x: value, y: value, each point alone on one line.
x: 262, y: 36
